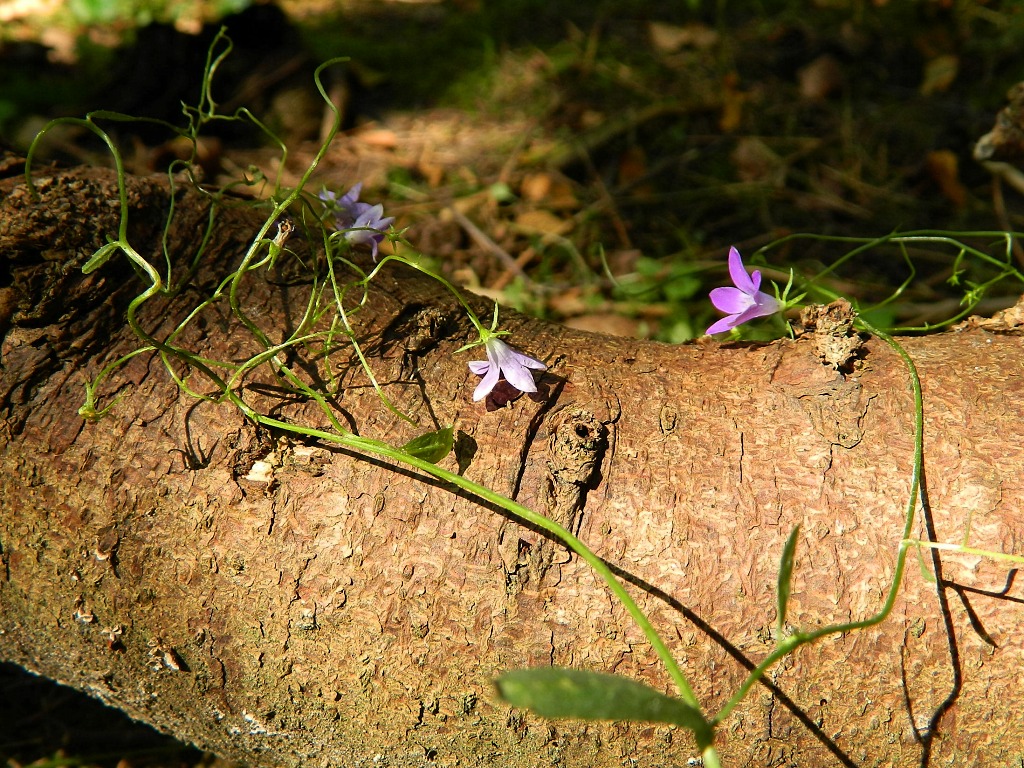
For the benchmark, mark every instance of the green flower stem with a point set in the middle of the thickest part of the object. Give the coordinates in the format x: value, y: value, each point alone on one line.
x: 247, y: 265
x: 964, y: 550
x: 342, y: 313
x: 915, y: 237
x: 88, y: 409
x: 797, y: 639
x: 225, y: 386
x: 709, y: 757
x: 447, y: 285
x: 367, y: 445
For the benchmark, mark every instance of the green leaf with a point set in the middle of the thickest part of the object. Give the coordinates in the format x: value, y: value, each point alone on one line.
x: 99, y: 258
x: 502, y: 193
x: 433, y: 446
x: 926, y: 572
x: 577, y: 693
x: 681, y: 285
x: 786, y: 576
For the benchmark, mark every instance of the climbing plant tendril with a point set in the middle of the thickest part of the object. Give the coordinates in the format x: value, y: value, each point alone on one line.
x: 226, y: 377
x: 327, y: 325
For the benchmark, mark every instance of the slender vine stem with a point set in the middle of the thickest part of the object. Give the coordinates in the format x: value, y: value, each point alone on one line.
x: 368, y: 445
x: 227, y: 378
x: 965, y: 550
x: 800, y: 638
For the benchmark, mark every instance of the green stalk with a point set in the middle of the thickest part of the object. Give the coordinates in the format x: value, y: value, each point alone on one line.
x: 367, y: 445
x: 964, y: 550
x: 797, y: 639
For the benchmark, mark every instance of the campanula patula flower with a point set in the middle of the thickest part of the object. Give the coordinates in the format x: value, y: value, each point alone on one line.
x: 745, y: 301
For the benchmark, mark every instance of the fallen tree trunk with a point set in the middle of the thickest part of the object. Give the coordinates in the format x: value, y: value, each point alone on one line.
x: 282, y: 602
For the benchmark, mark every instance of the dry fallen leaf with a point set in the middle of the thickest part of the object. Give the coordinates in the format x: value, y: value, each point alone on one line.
x: 1006, y: 139
x: 669, y: 38
x: 543, y: 222
x: 381, y: 138
x: 820, y: 78
x: 632, y: 165
x: 756, y: 162
x: 733, y: 100
x: 550, y: 189
x: 939, y: 74
x: 433, y: 173
x: 943, y: 166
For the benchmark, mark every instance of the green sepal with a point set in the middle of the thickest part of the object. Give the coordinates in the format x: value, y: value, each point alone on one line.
x: 433, y: 446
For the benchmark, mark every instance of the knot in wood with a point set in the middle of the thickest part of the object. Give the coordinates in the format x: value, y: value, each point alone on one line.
x: 836, y: 341
x: 575, y: 447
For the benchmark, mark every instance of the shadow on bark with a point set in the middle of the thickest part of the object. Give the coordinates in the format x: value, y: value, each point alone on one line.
x: 926, y: 736
x: 737, y: 655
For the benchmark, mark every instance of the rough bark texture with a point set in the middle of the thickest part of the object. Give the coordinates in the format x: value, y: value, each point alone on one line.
x: 330, y: 609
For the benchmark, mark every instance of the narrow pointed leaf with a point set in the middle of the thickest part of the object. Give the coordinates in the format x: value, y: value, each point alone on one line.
x: 99, y: 258
x: 786, y: 577
x: 559, y: 692
x: 433, y: 446
x: 926, y: 572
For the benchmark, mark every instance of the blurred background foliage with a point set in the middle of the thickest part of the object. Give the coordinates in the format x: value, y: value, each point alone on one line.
x: 588, y: 162
x: 585, y: 162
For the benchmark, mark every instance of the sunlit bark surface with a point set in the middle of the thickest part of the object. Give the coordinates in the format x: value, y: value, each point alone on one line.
x: 284, y: 603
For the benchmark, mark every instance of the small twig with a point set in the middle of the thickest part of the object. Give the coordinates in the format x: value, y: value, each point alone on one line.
x: 608, y: 202
x: 485, y: 242
x: 1015, y: 179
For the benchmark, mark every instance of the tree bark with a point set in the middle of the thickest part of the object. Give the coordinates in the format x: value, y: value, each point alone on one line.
x: 326, y: 608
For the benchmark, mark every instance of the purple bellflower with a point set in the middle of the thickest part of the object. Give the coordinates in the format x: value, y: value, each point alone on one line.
x: 502, y: 360
x: 369, y: 227
x: 745, y: 301
x: 361, y: 222
x: 346, y: 208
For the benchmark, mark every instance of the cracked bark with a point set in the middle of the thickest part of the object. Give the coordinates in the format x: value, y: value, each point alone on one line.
x: 287, y: 603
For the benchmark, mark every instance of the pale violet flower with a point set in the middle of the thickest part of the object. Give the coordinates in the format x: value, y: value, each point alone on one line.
x: 346, y: 208
x: 745, y: 301
x: 369, y: 227
x: 501, y: 361
x: 361, y: 222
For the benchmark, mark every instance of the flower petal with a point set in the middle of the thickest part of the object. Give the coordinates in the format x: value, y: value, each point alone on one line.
x: 519, y: 376
x: 767, y: 305
x: 738, y: 273
x: 487, y: 383
x: 528, y: 362
x: 730, y: 300
x: 723, y: 325
x: 368, y: 227
x: 503, y: 361
x: 511, y: 364
x: 350, y: 198
x: 745, y: 301
x: 525, y: 360
x: 755, y: 279
x: 536, y: 365
x: 498, y: 352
